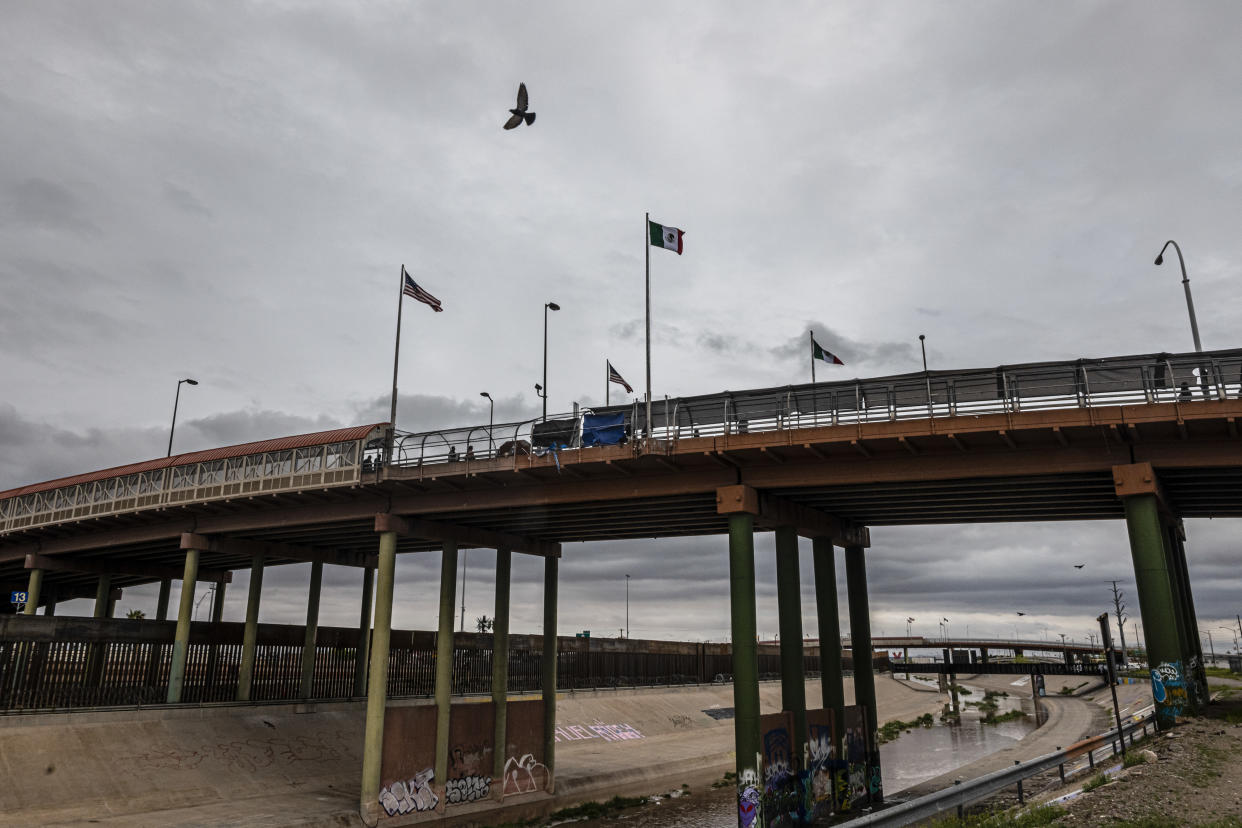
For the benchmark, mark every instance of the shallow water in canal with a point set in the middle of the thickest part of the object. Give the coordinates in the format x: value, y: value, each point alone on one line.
x: 914, y: 757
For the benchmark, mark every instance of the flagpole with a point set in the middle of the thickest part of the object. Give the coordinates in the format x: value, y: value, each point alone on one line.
x: 396, y: 355
x: 647, y: 247
x: 607, y: 384
x: 812, y: 335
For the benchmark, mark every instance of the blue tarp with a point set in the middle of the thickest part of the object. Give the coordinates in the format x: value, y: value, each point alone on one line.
x: 603, y: 429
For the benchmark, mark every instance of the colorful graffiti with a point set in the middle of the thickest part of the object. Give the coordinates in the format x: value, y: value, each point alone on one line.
x: 1168, y: 688
x: 749, y: 800
x: 819, y: 776
x: 783, y: 800
x: 524, y: 775
x: 413, y: 795
x: 852, y: 786
x: 608, y: 732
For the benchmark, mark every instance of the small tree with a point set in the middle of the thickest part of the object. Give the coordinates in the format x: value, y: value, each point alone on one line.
x: 483, y: 623
x: 136, y: 614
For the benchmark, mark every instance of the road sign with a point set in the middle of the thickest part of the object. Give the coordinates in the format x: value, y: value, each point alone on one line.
x: 17, y: 597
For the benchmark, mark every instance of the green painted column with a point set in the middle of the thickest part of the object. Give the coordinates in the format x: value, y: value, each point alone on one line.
x: 551, y: 577
x: 161, y: 603
x: 250, y: 635
x: 377, y: 685
x: 1157, y: 607
x: 364, y: 632
x: 1196, y: 675
x: 860, y: 645
x: 217, y: 615
x: 33, y: 588
x: 312, y: 630
x: 789, y: 614
x: 181, y: 642
x: 832, y: 683
x: 745, y: 657
x: 99, y: 650
x: 444, y: 660
x: 500, y: 665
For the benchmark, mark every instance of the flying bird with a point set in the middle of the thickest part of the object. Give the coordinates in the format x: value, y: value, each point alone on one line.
x: 1079, y: 566
x: 1022, y: 613
x: 519, y: 112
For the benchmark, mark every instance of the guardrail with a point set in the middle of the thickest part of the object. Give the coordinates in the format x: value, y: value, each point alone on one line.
x: 1082, y: 383
x: 962, y: 794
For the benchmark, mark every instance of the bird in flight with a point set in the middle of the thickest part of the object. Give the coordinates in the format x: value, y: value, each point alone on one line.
x: 1022, y: 613
x: 519, y: 112
x: 1079, y: 566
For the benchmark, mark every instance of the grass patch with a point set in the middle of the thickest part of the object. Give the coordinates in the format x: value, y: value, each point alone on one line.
x: 1012, y: 818
x: 1133, y: 757
x: 1220, y: 672
x: 1097, y: 781
x: 960, y: 690
x: 891, y: 730
x: 599, y: 810
x: 1205, y: 770
x: 1069, y: 691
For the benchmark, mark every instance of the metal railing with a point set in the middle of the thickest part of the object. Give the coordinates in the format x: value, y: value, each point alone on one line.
x: 963, y: 794
x: 1083, y: 383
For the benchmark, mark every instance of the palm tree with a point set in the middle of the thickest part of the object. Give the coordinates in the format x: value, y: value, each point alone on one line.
x: 136, y: 614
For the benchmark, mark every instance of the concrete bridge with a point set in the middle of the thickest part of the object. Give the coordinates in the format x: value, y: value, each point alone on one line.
x: 1147, y: 438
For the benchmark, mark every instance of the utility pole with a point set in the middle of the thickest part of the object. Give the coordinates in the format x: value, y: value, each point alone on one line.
x: 1121, y: 620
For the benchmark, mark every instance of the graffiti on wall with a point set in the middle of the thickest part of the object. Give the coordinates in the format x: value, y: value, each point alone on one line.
x: 412, y: 795
x: 749, y: 804
x: 599, y: 730
x: 820, y: 756
x: 467, y: 789
x: 1168, y: 688
x: 524, y: 775
x: 852, y: 783
x: 783, y: 800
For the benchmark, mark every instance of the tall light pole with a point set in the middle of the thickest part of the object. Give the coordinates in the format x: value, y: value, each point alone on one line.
x: 465, y: 553
x: 926, y: 376
x: 491, y: 412
x: 627, y: 606
x: 547, y: 306
x: 909, y: 621
x: 176, y: 402
x: 1190, y: 303
x: 1211, y: 648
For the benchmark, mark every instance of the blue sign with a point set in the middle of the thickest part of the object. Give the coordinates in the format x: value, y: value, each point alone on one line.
x: 16, y: 597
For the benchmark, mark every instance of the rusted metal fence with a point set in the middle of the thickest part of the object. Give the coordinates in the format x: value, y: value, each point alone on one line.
x: 65, y: 662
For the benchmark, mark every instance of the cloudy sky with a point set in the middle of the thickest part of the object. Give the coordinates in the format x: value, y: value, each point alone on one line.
x: 228, y: 193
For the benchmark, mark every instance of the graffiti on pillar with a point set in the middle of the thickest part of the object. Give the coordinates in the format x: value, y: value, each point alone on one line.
x: 749, y: 800
x: 783, y: 801
x: 468, y: 779
x: 820, y: 764
x: 853, y: 788
x: 412, y: 795
x: 467, y: 789
x: 1168, y: 688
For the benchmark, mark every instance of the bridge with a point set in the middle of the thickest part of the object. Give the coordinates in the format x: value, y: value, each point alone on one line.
x: 1148, y: 439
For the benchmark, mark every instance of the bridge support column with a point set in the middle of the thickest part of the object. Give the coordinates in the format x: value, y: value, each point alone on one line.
x: 1192, y: 647
x: 217, y: 615
x: 377, y: 686
x: 33, y: 588
x: 551, y: 574
x: 745, y: 657
x: 860, y: 642
x: 161, y: 603
x: 104, y: 605
x: 250, y: 635
x: 364, y: 632
x: 983, y: 654
x: 181, y: 642
x: 789, y: 613
x: 103, y: 597
x: 832, y: 688
x: 444, y: 662
x: 500, y: 669
x: 312, y: 630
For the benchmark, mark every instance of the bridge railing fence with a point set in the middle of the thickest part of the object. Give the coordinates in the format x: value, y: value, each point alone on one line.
x: 1084, y: 383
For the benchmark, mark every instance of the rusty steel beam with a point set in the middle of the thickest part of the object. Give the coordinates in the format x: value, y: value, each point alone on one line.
x: 136, y: 570
x: 771, y: 511
x: 465, y: 535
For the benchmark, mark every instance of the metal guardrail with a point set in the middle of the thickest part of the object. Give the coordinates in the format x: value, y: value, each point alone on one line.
x: 1083, y: 383
x: 963, y: 794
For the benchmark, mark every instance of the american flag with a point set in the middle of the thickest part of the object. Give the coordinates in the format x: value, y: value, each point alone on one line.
x: 412, y: 290
x: 613, y: 376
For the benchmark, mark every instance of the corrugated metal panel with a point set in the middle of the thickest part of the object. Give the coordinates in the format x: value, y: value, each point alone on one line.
x: 319, y: 438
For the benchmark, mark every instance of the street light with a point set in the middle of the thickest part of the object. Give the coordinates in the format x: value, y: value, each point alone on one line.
x: 491, y: 411
x: 1190, y: 305
x: 627, y: 606
x: 926, y: 376
x: 909, y: 621
x: 176, y: 402
x: 547, y: 306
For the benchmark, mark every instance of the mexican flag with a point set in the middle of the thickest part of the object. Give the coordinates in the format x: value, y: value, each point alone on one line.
x: 819, y: 353
x: 667, y: 237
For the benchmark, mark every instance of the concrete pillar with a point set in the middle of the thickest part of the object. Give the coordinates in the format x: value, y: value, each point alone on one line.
x: 860, y: 641
x: 983, y: 654
x: 49, y: 608
x: 99, y: 651
x: 832, y: 688
x: 444, y: 660
x: 789, y: 613
x: 312, y: 631
x: 377, y: 685
x: 364, y: 632
x: 181, y: 642
x: 1192, y: 646
x: 33, y: 588
x: 1156, y: 604
x: 746, y: 733
x: 161, y: 603
x: 217, y: 603
x: 103, y: 597
x: 551, y: 579
x: 217, y: 615
x: 250, y: 635
x: 500, y: 666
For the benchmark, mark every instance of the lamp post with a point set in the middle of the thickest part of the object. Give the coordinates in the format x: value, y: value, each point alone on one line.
x: 176, y: 402
x: 491, y: 411
x: 1190, y: 304
x: 627, y: 606
x: 909, y: 621
x: 547, y: 306
x: 1211, y: 648
x: 926, y: 376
